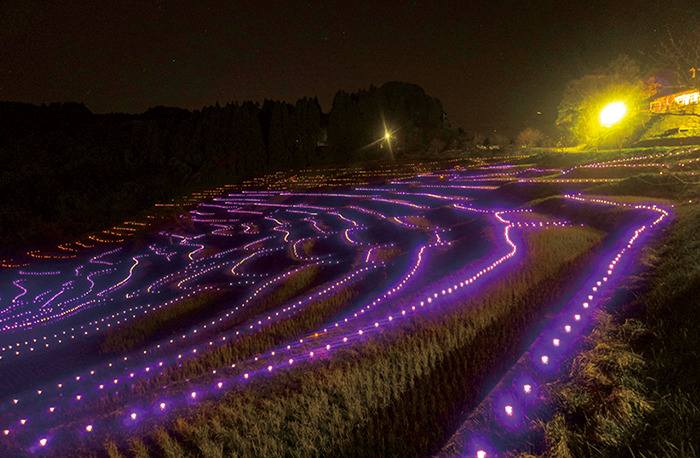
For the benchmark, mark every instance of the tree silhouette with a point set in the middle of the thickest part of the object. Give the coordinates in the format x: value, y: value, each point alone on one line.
x: 67, y: 171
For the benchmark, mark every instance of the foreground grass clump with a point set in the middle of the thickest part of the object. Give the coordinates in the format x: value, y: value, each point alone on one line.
x: 155, y: 324
x: 650, y: 386
x: 386, y: 254
x: 249, y: 345
x: 151, y: 325
x: 603, y: 400
x: 291, y: 287
x: 306, y: 248
x: 398, y: 394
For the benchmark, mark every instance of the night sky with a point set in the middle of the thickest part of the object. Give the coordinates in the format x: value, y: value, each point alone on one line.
x: 493, y: 64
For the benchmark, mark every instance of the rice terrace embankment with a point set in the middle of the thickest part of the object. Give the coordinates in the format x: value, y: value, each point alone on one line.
x: 363, y: 310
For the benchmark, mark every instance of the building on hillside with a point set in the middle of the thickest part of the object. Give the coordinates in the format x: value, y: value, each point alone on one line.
x: 675, y: 117
x: 686, y: 102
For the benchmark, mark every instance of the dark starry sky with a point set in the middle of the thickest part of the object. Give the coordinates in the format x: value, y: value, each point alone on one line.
x: 493, y: 64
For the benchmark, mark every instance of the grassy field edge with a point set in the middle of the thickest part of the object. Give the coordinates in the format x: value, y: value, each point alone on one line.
x: 635, y: 391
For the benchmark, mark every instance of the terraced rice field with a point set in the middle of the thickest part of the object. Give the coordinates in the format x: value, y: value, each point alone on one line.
x: 107, y: 340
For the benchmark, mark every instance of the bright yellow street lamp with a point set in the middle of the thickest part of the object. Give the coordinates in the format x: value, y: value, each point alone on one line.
x: 612, y: 113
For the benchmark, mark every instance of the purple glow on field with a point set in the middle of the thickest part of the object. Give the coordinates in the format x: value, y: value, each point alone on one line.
x: 478, y: 446
x: 548, y: 351
x: 248, y: 244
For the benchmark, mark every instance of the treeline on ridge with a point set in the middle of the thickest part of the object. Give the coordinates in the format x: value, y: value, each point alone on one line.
x: 67, y: 171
